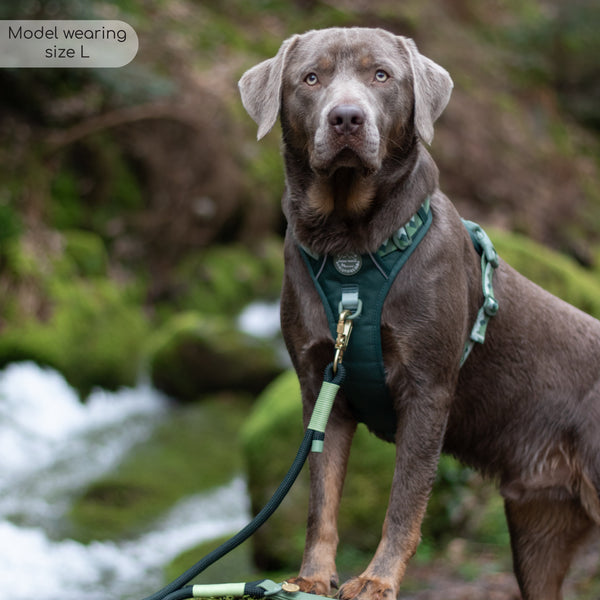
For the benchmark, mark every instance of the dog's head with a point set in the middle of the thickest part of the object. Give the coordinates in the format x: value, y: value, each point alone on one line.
x: 347, y: 96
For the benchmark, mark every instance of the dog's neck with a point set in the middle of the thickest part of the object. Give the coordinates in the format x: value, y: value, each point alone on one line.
x: 351, y: 211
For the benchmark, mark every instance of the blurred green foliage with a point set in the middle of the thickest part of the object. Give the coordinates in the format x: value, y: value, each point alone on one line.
x: 94, y: 330
x: 93, y: 336
x: 223, y: 279
x: 557, y: 273
x: 556, y: 43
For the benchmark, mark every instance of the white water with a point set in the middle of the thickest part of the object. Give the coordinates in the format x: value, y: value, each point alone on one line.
x: 51, y: 446
x: 260, y: 319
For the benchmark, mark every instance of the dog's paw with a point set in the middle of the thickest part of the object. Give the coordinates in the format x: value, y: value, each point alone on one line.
x: 315, y: 586
x: 363, y: 588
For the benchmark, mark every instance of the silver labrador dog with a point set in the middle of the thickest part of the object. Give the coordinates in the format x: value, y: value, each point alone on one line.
x: 356, y: 107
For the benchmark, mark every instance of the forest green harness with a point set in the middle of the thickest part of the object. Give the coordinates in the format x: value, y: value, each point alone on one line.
x: 359, y: 284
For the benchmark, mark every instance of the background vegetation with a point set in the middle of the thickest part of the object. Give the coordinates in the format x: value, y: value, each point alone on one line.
x: 138, y: 215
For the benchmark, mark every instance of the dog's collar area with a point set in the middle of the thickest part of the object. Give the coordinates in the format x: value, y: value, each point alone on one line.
x: 405, y: 236
x: 400, y: 240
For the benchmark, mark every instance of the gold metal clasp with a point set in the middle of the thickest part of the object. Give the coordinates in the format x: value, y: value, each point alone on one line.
x: 344, y: 329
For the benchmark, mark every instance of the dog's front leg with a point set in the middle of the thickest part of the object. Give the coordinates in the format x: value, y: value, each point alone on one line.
x: 318, y: 573
x: 419, y: 439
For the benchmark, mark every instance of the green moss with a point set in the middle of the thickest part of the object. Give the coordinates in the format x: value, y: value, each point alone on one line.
x: 194, y: 354
x: 94, y: 336
x: 224, y: 279
x: 10, y: 224
x: 85, y: 253
x: 19, y: 262
x: 66, y: 210
x: 275, y: 404
x: 555, y: 272
x: 185, y: 455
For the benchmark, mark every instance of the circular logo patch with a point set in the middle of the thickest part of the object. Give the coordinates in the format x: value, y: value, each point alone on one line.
x: 347, y: 264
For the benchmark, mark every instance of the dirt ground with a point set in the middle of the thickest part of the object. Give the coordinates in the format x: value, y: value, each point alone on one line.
x: 489, y: 577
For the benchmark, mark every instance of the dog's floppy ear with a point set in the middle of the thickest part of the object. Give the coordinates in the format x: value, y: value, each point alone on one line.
x: 260, y: 88
x: 432, y: 88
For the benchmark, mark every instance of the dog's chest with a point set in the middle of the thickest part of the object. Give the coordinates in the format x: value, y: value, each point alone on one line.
x: 360, y: 284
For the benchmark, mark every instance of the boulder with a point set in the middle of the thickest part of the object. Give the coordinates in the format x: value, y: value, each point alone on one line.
x: 193, y: 355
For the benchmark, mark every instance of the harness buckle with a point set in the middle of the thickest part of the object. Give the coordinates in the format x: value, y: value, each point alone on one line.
x: 344, y: 329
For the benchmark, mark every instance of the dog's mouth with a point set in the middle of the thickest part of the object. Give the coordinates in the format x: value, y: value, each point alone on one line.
x: 347, y: 158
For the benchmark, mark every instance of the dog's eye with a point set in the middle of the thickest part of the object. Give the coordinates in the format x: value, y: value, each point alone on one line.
x: 381, y: 76
x: 311, y: 79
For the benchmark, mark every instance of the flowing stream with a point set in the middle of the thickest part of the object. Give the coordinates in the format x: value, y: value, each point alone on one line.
x: 51, y: 446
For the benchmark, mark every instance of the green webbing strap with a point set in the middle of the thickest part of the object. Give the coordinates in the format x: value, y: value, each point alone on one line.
x: 219, y: 590
x: 489, y: 261
x: 258, y: 589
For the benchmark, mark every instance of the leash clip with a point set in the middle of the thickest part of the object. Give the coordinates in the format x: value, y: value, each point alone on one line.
x: 344, y: 329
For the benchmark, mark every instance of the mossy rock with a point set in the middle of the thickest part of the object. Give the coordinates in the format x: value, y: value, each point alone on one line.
x: 85, y: 253
x: 460, y: 503
x: 193, y: 450
x: 555, y: 272
x: 94, y: 335
x: 193, y: 355
x: 222, y: 280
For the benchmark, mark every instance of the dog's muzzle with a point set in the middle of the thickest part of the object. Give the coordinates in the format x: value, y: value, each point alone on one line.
x: 346, y: 137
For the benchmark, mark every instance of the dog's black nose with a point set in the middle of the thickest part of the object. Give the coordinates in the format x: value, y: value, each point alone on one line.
x: 346, y: 119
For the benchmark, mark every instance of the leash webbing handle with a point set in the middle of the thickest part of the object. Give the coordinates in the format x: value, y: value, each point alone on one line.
x: 257, y: 589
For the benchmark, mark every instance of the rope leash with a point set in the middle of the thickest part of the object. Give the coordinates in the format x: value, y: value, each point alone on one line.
x: 312, y: 441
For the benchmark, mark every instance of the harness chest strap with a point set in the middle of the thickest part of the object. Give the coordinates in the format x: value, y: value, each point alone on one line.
x: 358, y: 285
